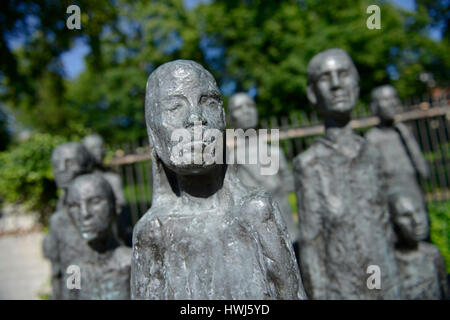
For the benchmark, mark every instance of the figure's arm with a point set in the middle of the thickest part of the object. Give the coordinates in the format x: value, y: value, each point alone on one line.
x: 262, y: 215
x: 442, y: 275
x: 147, y: 270
x: 311, y: 242
x: 418, y: 159
x: 50, y: 252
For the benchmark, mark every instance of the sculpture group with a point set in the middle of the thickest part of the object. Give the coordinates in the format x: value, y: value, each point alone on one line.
x: 224, y: 231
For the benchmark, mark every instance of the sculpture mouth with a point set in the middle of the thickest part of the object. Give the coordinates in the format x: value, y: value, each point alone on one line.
x: 340, y: 99
x: 87, y: 229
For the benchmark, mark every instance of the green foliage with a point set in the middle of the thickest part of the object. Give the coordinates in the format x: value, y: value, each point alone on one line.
x: 264, y: 45
x: 440, y: 228
x: 26, y: 174
x: 268, y: 45
x: 5, y: 137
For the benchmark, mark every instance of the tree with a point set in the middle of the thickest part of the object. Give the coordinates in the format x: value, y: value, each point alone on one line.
x: 267, y: 45
x: 263, y: 46
x: 5, y: 136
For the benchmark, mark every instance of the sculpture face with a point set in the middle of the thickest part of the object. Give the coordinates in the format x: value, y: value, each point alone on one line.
x: 243, y: 112
x: 384, y: 102
x: 68, y: 161
x: 96, y: 147
x: 180, y: 94
x: 408, y: 221
x: 91, y: 206
x: 334, y: 86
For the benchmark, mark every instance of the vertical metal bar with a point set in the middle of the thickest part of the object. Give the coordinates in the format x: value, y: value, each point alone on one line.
x: 424, y: 139
x: 443, y: 146
x: 297, y: 142
x: 131, y: 186
x: 436, y: 151
x: 287, y: 142
x: 140, y: 183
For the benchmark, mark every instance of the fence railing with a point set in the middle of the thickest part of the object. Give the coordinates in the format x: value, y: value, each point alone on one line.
x: 427, y: 118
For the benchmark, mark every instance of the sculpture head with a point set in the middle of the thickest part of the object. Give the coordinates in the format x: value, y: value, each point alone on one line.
x: 409, y: 219
x: 68, y: 161
x: 96, y: 146
x: 242, y: 111
x: 384, y: 102
x: 180, y: 94
x: 333, y: 83
x: 91, y: 204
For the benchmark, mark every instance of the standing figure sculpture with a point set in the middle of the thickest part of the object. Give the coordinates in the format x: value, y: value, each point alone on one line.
x: 205, y: 236
x: 105, y: 265
x: 244, y: 115
x: 345, y: 228
x: 96, y: 146
x: 402, y: 159
x: 421, y: 265
x: 62, y: 244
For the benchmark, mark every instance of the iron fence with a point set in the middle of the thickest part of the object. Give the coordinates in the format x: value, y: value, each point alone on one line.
x: 428, y: 119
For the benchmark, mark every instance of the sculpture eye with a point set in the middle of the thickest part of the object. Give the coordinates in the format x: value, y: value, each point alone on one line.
x: 175, y: 106
x: 96, y: 200
x: 343, y: 73
x: 74, y: 208
x: 324, y: 77
x: 209, y: 101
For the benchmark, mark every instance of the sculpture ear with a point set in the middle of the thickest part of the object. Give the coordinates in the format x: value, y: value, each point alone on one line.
x: 311, y: 94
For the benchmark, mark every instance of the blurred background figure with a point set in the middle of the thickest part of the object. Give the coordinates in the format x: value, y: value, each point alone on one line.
x: 63, y: 242
x: 421, y: 265
x: 95, y: 144
x: 343, y: 214
x: 105, y: 264
x: 242, y: 114
x: 403, y: 161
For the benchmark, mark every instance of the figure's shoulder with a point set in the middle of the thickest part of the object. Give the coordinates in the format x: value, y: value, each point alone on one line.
x: 310, y: 156
x: 148, y: 226
x: 257, y: 205
x: 430, y: 250
x: 373, y: 135
x: 122, y: 256
x: 371, y: 149
x: 110, y: 175
x: 58, y: 218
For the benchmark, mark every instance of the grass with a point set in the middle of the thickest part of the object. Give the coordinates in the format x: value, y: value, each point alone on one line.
x: 440, y: 228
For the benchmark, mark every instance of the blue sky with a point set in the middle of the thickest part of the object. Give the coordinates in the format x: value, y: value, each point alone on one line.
x: 73, y: 60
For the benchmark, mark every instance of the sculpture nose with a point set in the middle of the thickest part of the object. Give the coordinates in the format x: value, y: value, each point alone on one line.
x: 335, y: 82
x: 195, y: 117
x: 84, y: 212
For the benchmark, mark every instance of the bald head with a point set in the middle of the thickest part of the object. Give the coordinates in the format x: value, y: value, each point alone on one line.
x: 68, y: 161
x: 96, y: 146
x: 179, y: 95
x: 91, y: 205
x: 318, y: 63
x: 385, y: 102
x: 242, y: 111
x: 333, y: 84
